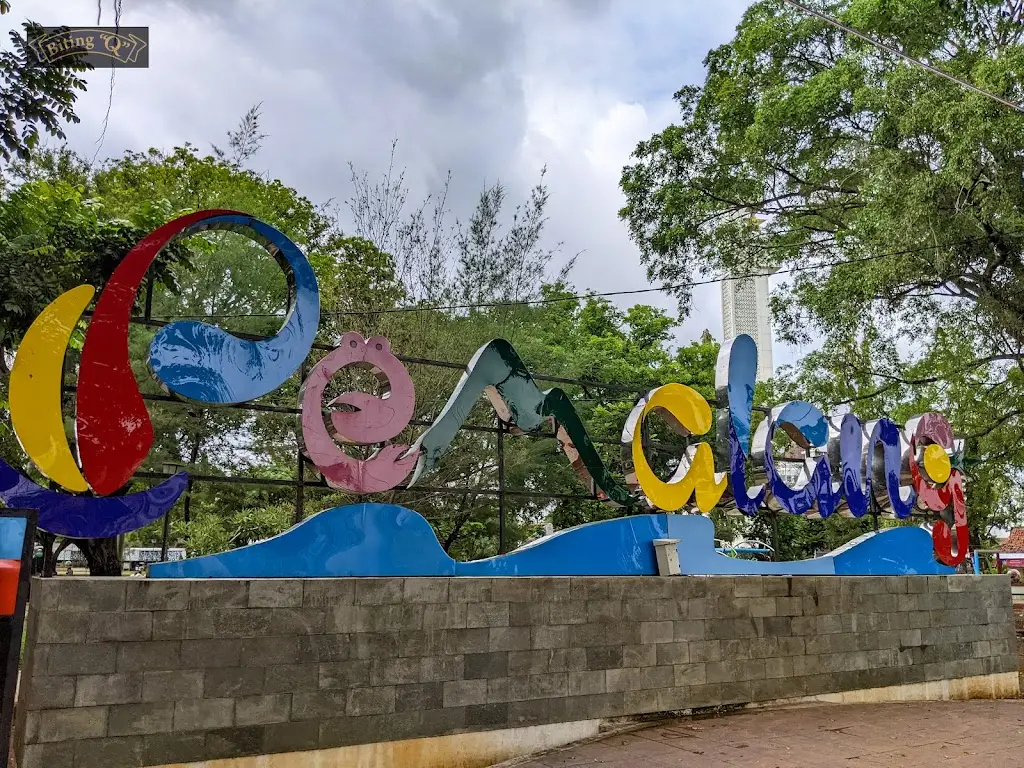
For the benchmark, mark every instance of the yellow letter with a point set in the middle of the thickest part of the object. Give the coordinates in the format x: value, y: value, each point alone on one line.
x: 690, y: 411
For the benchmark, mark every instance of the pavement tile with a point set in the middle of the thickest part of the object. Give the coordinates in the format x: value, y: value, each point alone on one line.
x: 600, y: 753
x: 927, y: 756
x: 636, y: 746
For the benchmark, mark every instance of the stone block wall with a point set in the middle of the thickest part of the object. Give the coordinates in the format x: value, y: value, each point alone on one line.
x: 134, y: 672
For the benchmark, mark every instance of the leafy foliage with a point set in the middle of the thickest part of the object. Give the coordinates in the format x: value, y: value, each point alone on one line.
x: 895, y: 193
x: 33, y: 96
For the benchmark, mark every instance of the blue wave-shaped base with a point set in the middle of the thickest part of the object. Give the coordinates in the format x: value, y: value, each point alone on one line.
x: 390, y: 540
x: 892, y: 552
x: 905, y: 551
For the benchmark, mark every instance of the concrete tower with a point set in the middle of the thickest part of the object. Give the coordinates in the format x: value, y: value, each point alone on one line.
x: 745, y: 310
x: 745, y: 307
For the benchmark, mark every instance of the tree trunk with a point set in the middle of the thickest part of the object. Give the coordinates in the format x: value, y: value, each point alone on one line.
x: 102, y: 555
x: 56, y: 553
x: 49, y: 555
x: 462, y: 516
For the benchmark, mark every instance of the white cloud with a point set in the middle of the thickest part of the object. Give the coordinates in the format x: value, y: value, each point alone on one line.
x: 486, y: 90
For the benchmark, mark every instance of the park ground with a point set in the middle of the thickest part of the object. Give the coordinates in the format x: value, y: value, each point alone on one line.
x: 971, y: 734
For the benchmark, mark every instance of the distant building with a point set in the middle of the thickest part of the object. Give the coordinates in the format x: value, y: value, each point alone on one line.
x: 790, y: 466
x: 72, y: 555
x: 745, y: 310
x: 1011, y: 549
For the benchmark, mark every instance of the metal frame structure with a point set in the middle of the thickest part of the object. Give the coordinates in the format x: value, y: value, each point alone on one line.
x: 500, y: 429
x: 301, y: 484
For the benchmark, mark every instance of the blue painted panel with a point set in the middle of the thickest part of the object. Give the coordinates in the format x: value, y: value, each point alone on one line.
x: 12, y: 537
x: 389, y: 540
x: 203, y: 363
x: 620, y: 547
x: 905, y: 551
x: 89, y: 517
x: 355, y: 540
x: 697, y: 555
x: 892, y: 552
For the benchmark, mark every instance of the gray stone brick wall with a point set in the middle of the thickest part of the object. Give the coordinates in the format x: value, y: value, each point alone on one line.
x: 132, y: 672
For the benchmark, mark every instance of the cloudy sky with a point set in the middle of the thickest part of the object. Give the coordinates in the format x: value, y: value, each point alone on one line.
x: 487, y: 90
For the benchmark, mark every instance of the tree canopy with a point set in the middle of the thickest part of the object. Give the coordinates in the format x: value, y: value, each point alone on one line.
x: 892, y: 197
x: 33, y: 97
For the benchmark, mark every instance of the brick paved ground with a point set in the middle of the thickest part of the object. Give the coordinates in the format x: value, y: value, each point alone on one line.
x: 972, y: 734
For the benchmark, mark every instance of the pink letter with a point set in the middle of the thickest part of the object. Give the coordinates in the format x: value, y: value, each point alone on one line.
x: 374, y: 419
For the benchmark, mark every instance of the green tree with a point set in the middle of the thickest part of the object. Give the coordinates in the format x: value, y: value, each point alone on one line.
x: 32, y: 96
x: 895, y: 194
x: 54, y: 237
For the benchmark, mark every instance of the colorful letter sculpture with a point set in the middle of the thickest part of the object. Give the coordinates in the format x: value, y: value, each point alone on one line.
x: 940, y: 486
x: 206, y: 364
x: 497, y: 371
x: 818, y: 496
x: 850, y: 468
x: 114, y: 433
x: 17, y: 536
x: 734, y: 382
x: 688, y: 414
x: 373, y: 421
x: 36, y: 380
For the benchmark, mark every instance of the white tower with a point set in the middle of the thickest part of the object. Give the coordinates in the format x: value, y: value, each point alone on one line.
x: 745, y: 310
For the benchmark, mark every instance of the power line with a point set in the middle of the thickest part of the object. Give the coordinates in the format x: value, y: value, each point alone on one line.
x: 633, y: 292
x: 905, y: 56
x: 582, y: 296
x: 113, y: 69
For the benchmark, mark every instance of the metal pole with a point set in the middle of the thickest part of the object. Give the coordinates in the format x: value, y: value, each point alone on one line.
x: 775, y: 536
x: 501, y: 487
x: 167, y: 533
x: 193, y: 458
x: 300, y: 491
x: 300, y: 467
x: 188, y: 501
